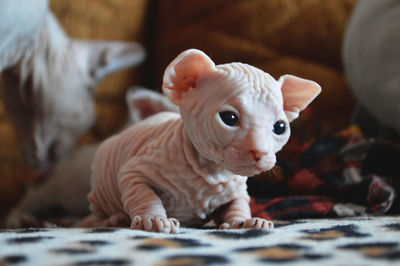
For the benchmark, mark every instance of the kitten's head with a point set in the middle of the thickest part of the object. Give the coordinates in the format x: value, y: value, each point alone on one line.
x: 236, y: 115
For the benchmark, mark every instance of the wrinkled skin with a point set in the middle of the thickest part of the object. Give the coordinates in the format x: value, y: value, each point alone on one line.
x: 48, y: 85
x: 190, y: 168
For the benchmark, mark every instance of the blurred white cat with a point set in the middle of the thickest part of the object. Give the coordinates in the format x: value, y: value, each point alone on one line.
x: 371, y: 55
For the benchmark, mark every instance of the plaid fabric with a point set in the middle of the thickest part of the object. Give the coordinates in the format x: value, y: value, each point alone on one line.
x: 345, y: 174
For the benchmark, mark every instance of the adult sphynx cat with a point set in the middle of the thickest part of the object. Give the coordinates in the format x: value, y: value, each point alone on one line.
x: 190, y: 168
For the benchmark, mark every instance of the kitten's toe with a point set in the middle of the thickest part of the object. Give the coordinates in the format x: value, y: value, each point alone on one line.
x: 257, y: 223
x: 156, y: 223
x: 264, y: 224
x: 148, y: 223
x: 236, y: 224
x: 166, y: 225
x: 137, y: 223
x: 225, y: 226
x: 162, y: 224
x: 269, y: 224
x: 247, y: 223
x: 144, y: 222
x: 174, y: 225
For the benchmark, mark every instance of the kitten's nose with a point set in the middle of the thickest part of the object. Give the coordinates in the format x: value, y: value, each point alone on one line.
x: 264, y: 161
x: 257, y: 155
x: 257, y: 145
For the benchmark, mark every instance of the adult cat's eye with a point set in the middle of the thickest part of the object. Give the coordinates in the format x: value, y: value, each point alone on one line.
x: 229, y: 118
x: 279, y: 127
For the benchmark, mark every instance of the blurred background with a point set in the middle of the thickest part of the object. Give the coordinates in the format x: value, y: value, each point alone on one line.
x: 299, y: 37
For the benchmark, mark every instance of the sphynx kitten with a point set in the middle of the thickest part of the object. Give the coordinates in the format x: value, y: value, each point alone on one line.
x: 190, y: 168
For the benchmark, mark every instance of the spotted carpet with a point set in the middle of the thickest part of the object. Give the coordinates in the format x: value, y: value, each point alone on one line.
x: 355, y: 241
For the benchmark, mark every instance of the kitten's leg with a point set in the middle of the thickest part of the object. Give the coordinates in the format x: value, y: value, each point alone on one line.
x: 237, y: 215
x: 145, y: 208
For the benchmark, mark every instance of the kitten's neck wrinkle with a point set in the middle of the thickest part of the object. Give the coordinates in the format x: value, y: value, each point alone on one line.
x: 200, y: 165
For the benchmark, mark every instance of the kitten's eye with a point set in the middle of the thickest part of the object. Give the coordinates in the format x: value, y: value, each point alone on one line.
x: 279, y: 127
x: 229, y: 118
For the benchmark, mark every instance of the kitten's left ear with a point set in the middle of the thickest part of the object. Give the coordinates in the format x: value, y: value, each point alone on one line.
x: 143, y: 103
x: 297, y: 94
x: 184, y: 72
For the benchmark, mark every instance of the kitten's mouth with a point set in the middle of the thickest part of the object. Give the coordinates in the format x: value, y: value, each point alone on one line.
x: 249, y: 166
x: 247, y: 170
x: 253, y: 169
x: 266, y: 163
x: 264, y: 167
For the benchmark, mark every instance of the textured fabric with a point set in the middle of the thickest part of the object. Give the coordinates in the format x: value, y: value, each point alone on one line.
x: 360, y: 241
x: 345, y: 174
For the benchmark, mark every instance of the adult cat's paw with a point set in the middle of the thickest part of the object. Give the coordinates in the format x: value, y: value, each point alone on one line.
x: 156, y: 223
x: 20, y: 219
x: 248, y: 223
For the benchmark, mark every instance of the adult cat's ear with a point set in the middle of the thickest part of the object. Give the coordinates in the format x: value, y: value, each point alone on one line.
x: 297, y: 94
x: 184, y: 72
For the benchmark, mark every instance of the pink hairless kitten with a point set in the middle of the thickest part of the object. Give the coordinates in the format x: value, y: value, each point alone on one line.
x: 190, y: 168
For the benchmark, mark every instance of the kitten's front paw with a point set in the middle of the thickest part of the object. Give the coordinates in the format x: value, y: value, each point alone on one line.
x: 156, y: 223
x: 248, y: 223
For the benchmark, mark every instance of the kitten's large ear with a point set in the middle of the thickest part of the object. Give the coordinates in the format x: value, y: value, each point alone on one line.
x: 184, y: 72
x: 297, y: 94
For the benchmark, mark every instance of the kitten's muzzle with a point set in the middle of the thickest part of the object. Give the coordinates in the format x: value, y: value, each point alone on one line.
x: 256, y: 166
x: 264, y: 162
x: 249, y: 162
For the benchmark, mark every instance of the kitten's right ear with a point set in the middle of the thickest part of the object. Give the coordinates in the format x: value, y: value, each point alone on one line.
x: 297, y: 93
x: 184, y: 72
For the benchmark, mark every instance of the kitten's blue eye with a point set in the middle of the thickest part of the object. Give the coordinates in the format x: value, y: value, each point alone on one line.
x: 229, y: 118
x: 279, y: 127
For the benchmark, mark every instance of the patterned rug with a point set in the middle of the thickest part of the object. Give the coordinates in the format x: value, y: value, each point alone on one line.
x: 351, y: 241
